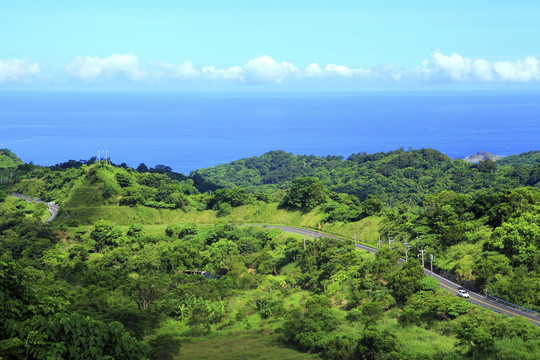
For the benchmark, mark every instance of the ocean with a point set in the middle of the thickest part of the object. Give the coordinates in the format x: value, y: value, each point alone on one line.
x: 188, y: 131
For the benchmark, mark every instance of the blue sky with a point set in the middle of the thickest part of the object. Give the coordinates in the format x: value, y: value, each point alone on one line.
x: 297, y: 44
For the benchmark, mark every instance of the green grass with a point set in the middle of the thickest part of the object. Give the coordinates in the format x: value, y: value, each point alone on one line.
x: 254, y: 338
x: 419, y: 341
x: 251, y: 338
x: 517, y: 349
x: 239, y: 347
x: 269, y: 214
x: 8, y: 202
x: 366, y: 230
x: 86, y: 204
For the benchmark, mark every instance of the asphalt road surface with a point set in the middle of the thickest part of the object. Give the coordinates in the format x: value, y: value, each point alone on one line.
x: 53, y: 209
x: 444, y: 283
x: 474, y: 298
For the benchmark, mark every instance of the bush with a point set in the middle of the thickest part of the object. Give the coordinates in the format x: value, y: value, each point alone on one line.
x: 354, y: 315
x: 429, y: 283
x: 224, y: 209
x: 172, y: 230
x: 341, y: 347
x: 305, y: 193
x: 188, y: 229
x: 377, y: 344
x: 164, y: 347
x: 409, y: 316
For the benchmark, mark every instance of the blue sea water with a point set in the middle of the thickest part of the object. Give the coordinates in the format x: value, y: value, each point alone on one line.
x: 192, y: 131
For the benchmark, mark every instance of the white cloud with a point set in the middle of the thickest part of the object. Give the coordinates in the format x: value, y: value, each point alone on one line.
x: 388, y: 72
x: 457, y: 68
x: 182, y: 71
x: 439, y: 67
x: 267, y: 70
x: 262, y: 69
x: 18, y: 70
x: 517, y: 71
x: 313, y: 70
x: 333, y: 69
x: 482, y: 69
x: 233, y: 73
x: 455, y: 65
x: 116, y: 66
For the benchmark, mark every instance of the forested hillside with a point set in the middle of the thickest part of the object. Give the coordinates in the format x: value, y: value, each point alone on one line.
x: 144, y: 264
x: 523, y: 159
x: 9, y: 159
x: 395, y: 176
x: 491, y: 239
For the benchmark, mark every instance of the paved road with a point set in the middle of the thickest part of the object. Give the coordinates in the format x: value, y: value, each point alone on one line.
x: 481, y: 300
x: 53, y: 209
x: 474, y: 298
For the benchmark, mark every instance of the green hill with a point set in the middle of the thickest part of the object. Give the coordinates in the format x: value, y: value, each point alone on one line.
x: 104, y: 191
x: 9, y: 159
x: 395, y: 176
x: 523, y: 159
x: 132, y: 270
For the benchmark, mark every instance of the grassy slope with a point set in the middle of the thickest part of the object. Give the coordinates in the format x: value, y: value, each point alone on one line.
x: 366, y: 229
x: 256, y: 338
x: 86, y: 204
x: 253, y: 338
x: 263, y: 347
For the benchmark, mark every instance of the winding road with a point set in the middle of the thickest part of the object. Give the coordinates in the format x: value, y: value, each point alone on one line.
x: 474, y: 298
x: 53, y: 209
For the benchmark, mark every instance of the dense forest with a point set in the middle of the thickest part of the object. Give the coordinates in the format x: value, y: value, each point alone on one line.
x: 148, y: 263
x: 395, y: 176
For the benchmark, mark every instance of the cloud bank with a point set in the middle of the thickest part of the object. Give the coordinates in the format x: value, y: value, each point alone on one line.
x: 438, y: 68
x: 116, y: 66
x: 18, y: 70
x: 456, y: 68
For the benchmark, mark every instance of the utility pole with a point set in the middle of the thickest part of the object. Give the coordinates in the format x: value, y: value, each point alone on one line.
x: 354, y: 238
x: 406, y: 246
x: 379, y: 241
x: 99, y: 156
x: 422, y: 252
x: 431, y: 257
x: 416, y: 242
x: 106, y: 156
x: 304, y: 243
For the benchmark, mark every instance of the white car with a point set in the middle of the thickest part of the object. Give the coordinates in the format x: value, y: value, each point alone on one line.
x: 463, y: 293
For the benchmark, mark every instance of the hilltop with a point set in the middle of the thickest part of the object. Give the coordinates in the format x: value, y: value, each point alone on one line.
x: 529, y: 158
x: 9, y: 159
x: 395, y: 176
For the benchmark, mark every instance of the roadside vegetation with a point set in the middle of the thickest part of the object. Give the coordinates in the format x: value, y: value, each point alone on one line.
x: 154, y: 265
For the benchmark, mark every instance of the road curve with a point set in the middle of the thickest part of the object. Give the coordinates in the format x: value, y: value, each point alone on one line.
x: 474, y: 298
x: 53, y: 209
